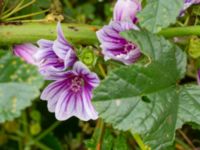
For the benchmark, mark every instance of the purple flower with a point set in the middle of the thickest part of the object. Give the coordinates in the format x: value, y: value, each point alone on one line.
x: 187, y: 4
x: 126, y: 10
x: 26, y: 52
x: 198, y: 76
x: 55, y: 56
x: 115, y: 46
x: 71, y: 93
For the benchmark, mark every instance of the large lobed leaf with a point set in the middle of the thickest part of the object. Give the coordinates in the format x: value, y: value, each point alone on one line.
x: 159, y: 14
x: 19, y: 85
x: 146, y: 99
x: 167, y: 65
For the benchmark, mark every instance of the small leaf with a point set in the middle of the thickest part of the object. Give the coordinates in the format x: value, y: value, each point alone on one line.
x: 159, y: 14
x: 189, y: 105
x: 19, y: 85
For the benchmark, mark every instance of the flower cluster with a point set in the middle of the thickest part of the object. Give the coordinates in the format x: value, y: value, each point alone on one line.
x: 113, y: 45
x: 70, y: 93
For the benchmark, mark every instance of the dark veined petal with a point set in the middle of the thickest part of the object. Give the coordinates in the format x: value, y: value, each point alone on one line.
x: 90, y: 78
x: 53, y: 91
x: 116, y: 47
x: 60, y: 75
x: 70, y: 58
x: 54, y: 56
x: 71, y: 93
x: 75, y: 104
x: 60, y: 45
x: 43, y: 54
x: 45, y: 44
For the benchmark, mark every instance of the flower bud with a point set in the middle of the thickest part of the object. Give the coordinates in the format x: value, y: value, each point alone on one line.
x: 126, y: 10
x: 26, y: 52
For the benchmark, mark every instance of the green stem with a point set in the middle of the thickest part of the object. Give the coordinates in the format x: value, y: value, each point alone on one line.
x: 103, y: 73
x: 48, y: 130
x: 15, y: 33
x: 139, y: 141
x: 99, y: 131
x: 41, y: 146
x: 18, y: 139
x: 31, y: 32
x: 25, y: 125
x: 180, y: 31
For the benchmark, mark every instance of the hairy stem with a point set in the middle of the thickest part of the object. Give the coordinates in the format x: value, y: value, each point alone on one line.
x: 139, y: 141
x: 180, y: 31
x: 15, y: 33
x: 99, y: 130
x: 48, y: 130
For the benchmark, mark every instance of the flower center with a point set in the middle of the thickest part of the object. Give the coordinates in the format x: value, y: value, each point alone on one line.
x: 76, y: 84
x: 128, y: 47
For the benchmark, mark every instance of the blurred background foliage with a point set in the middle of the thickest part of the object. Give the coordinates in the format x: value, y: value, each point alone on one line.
x: 97, y: 12
x: 36, y: 128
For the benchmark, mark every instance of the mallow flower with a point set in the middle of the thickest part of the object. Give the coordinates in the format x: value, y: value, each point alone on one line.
x: 71, y: 92
x: 114, y: 46
x: 126, y: 10
x: 54, y: 56
x: 188, y: 3
x: 26, y: 52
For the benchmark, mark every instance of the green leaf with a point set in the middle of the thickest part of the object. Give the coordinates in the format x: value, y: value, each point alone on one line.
x: 19, y: 85
x: 13, y: 98
x: 144, y: 98
x: 159, y: 14
x: 189, y: 105
x: 158, y: 49
x: 194, y: 47
x: 153, y: 120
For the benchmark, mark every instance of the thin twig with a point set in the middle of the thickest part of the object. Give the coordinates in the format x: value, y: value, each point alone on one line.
x: 102, y: 70
x: 139, y: 141
x: 100, y: 129
x: 18, y: 8
x: 48, y: 130
x: 187, y: 139
x: 25, y: 16
x: 13, y: 11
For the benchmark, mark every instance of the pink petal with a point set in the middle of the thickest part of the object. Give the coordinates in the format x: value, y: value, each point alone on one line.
x: 52, y: 93
x: 78, y: 105
x: 60, y: 45
x: 26, y: 52
x: 126, y: 10
x: 45, y: 44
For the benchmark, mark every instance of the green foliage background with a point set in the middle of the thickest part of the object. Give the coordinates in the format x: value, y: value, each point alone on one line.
x: 158, y: 97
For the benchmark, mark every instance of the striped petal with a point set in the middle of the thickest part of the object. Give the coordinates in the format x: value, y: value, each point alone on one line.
x: 78, y: 105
